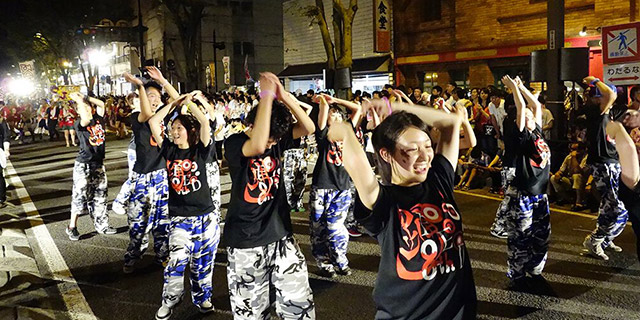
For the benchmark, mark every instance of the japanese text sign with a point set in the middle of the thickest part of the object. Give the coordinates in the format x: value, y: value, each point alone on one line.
x: 382, y: 26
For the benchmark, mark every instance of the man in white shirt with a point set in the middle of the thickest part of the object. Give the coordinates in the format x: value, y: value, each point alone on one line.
x: 497, y: 111
x: 547, y: 119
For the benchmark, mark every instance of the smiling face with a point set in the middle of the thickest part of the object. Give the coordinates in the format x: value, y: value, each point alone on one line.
x: 474, y: 94
x: 334, y: 116
x: 411, y: 160
x: 155, y: 97
x: 179, y: 133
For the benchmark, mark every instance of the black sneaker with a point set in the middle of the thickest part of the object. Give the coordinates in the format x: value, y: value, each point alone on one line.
x: 73, y: 233
x: 354, y: 233
x: 344, y: 272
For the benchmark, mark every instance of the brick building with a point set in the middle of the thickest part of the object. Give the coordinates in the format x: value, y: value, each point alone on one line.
x: 475, y: 42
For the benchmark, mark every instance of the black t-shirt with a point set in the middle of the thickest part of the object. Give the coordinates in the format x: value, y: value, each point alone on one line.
x: 213, y: 124
x: 91, y: 140
x: 148, y: 157
x: 601, y: 148
x: 329, y: 172
x: 424, y: 271
x: 533, y: 162
x: 189, y: 193
x: 258, y: 211
x: 510, y: 130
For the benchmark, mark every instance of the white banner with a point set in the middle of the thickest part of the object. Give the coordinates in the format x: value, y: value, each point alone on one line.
x: 622, y: 74
x: 227, y: 70
x: 28, y: 69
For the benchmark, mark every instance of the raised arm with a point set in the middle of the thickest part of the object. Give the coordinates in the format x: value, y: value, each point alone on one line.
x: 157, y: 76
x: 469, y: 140
x: 608, y: 96
x: 155, y: 122
x: 356, y: 163
x: 532, y: 102
x: 520, y: 118
x: 257, y: 143
x: 630, y: 174
x: 99, y: 105
x: 305, y: 125
x: 145, y: 106
x: 205, y: 128
x: 447, y: 123
x: 323, y: 114
x: 83, y: 109
x: 356, y: 109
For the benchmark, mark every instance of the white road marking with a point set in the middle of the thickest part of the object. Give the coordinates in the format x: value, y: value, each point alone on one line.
x: 77, y: 305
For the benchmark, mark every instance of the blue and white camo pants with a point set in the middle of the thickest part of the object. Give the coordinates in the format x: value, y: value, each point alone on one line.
x: 148, y: 212
x: 122, y: 199
x: 89, y: 193
x: 329, y: 235
x: 612, y: 216
x: 529, y: 228
x: 508, y: 174
x: 193, y: 241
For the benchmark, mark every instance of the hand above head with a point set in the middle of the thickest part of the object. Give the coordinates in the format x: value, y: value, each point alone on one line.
x: 508, y: 82
x: 155, y: 74
x: 76, y: 96
x: 267, y: 83
x: 589, y: 79
x: 130, y: 78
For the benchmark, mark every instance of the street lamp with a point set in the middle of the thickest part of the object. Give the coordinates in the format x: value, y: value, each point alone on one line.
x: 98, y: 58
x: 21, y: 86
x: 66, y: 64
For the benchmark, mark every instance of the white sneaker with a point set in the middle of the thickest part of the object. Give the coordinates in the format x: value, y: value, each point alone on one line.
x: 206, y: 307
x: 118, y: 209
x: 594, y: 246
x: 614, y: 247
x: 163, y: 313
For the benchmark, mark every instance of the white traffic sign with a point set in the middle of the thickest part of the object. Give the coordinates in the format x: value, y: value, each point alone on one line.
x: 620, y: 43
x: 622, y: 74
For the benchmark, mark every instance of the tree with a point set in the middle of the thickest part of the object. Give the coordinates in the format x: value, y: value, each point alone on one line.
x: 187, y: 16
x: 340, y: 50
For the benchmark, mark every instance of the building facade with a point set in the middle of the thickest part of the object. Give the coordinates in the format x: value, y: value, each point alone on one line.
x: 251, y: 31
x: 475, y: 43
x: 304, y: 53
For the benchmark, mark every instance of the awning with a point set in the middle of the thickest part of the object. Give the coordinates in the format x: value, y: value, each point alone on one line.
x: 378, y: 64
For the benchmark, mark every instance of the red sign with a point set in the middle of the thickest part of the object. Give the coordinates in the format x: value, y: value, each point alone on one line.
x: 620, y: 43
x: 382, y: 26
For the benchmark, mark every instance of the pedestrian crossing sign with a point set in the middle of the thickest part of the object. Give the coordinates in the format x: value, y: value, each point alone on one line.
x: 620, y: 43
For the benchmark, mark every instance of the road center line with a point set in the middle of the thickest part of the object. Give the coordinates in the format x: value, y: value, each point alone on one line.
x: 75, y: 301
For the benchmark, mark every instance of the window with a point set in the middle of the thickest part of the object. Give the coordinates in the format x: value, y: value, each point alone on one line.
x: 432, y: 10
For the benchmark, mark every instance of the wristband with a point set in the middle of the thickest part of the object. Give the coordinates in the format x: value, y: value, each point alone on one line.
x: 264, y: 93
x: 596, y: 80
x: 385, y: 99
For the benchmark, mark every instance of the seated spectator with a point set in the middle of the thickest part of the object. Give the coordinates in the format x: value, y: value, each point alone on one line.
x: 476, y: 167
x: 570, y: 181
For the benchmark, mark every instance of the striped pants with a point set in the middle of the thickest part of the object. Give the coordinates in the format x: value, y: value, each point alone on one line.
x: 613, y: 215
x: 329, y: 235
x: 89, y: 193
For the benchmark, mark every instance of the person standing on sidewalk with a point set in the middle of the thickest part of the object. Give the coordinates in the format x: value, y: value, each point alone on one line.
x: 605, y: 168
x: 89, y: 175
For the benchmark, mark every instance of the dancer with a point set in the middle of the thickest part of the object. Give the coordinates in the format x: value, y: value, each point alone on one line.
x: 413, y: 210
x: 262, y: 252
x: 89, y: 175
x: 121, y: 202
x: 5, y: 137
x: 528, y: 222
x: 148, y: 202
x: 605, y: 169
x: 294, y: 168
x: 194, y: 233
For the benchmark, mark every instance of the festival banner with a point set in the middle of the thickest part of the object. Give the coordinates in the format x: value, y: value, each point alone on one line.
x: 382, y: 26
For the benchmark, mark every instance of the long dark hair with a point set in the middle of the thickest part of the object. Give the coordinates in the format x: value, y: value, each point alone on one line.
x: 192, y: 126
x: 386, y: 135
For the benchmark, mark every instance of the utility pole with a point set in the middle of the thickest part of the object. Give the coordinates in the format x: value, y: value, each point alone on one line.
x: 141, y: 36
x: 555, y: 92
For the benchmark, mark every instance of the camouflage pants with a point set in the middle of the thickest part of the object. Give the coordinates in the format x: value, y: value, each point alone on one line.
x: 295, y: 176
x: 193, y: 241
x: 529, y: 229
x: 122, y: 199
x: 252, y: 271
x: 213, y: 179
x: 508, y: 174
x: 613, y: 215
x: 329, y: 235
x: 148, y: 212
x: 89, y: 193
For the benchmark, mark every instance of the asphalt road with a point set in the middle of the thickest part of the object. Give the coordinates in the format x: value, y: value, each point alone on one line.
x: 52, y: 277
